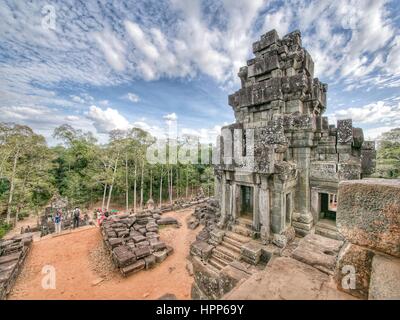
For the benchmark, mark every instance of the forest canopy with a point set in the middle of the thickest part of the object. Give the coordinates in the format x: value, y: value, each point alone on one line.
x: 87, y: 172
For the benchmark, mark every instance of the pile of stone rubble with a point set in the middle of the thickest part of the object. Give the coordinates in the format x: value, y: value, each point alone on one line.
x: 182, y: 204
x: 134, y: 242
x: 207, y: 215
x: 12, y: 256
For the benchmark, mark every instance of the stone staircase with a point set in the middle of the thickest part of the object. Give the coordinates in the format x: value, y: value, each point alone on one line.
x: 327, y: 228
x: 228, y: 250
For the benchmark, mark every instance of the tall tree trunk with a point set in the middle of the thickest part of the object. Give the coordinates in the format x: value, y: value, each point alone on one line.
x: 20, y: 204
x: 161, y: 188
x: 177, y: 183
x: 104, y: 196
x: 112, y: 183
x: 172, y: 186
x: 10, y: 196
x: 187, y: 184
x: 141, y: 186
x: 134, y: 189
x: 126, y: 184
x: 151, y: 184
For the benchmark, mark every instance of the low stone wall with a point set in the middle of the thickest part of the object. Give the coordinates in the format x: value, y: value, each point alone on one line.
x: 368, y: 217
x: 12, y: 256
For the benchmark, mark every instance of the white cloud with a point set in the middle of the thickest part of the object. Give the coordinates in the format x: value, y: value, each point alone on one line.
x: 113, y: 49
x: 77, y: 99
x: 107, y: 120
x: 374, y: 133
x: 171, y: 117
x: 132, y: 97
x: 378, y: 112
x: 72, y: 118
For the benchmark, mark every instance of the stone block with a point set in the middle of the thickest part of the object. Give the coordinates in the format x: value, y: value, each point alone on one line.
x: 160, y: 255
x: 150, y: 261
x: 138, y: 238
x: 368, y: 161
x: 345, y: 131
x: 385, y: 278
x: 167, y: 221
x: 251, y: 252
x: 201, y: 249
x: 142, y: 244
x: 368, y: 214
x: 318, y: 251
x: 135, y: 267
x: 142, y: 252
x: 170, y: 250
x: 358, y: 259
x: 115, y: 242
x: 152, y: 235
x: 349, y: 170
x: 266, y: 40
x: 157, y: 246
x: 123, y: 256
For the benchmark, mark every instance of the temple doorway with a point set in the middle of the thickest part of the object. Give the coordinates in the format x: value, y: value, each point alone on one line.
x: 328, y: 206
x: 246, y: 202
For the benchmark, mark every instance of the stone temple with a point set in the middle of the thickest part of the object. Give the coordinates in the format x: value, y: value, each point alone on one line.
x: 297, y: 158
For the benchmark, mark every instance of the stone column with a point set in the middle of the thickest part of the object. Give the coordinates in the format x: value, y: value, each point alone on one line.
x: 264, y: 208
x: 302, y: 157
x: 315, y: 204
x: 277, y: 222
x: 256, y: 208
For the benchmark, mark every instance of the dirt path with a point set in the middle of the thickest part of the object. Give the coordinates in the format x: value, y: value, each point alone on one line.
x: 83, y: 271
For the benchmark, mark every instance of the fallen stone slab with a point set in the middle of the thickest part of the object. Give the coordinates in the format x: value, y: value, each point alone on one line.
x: 138, y: 238
x: 167, y: 221
x: 142, y: 252
x: 157, y: 246
x: 318, y: 251
x: 123, y: 256
x: 135, y: 267
x: 115, y: 242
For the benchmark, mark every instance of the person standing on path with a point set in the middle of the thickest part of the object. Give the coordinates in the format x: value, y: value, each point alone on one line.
x: 57, y: 222
x: 76, y: 217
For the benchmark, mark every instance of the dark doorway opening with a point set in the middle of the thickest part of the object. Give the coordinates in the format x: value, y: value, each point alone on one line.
x: 246, y: 202
x: 328, y: 206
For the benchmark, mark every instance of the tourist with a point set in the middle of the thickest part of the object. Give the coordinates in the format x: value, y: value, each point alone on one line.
x: 57, y: 222
x: 76, y: 217
x: 99, y: 217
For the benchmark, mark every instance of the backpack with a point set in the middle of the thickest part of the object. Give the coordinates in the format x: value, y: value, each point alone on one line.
x: 76, y: 213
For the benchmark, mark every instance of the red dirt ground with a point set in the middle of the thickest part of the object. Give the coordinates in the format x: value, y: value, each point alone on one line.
x: 83, y: 271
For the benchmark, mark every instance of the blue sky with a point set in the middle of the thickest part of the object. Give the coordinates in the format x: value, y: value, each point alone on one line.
x: 103, y: 65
